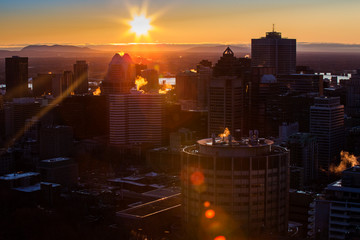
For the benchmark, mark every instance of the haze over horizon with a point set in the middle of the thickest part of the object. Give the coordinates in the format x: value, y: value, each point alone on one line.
x: 229, y: 22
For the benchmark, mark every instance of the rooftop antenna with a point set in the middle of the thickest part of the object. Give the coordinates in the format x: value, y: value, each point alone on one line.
x: 273, y: 27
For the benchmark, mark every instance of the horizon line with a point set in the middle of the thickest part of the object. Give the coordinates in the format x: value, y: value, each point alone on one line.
x: 17, y: 47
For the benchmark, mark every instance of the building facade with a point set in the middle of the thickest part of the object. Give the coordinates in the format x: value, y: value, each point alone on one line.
x: 304, y: 154
x: 327, y: 125
x: 136, y: 119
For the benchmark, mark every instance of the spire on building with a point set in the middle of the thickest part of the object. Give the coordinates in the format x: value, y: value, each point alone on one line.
x: 228, y: 51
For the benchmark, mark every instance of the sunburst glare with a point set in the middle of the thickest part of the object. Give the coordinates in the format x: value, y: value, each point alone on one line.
x: 140, y: 25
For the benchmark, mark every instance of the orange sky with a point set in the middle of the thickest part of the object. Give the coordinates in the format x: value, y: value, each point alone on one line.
x: 227, y: 21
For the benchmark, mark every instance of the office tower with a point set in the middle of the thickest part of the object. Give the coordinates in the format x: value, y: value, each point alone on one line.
x: 56, y: 141
x: 304, y: 154
x: 186, y: 89
x: 192, y: 87
x: 353, y: 96
x: 302, y: 83
x: 66, y: 80
x: 136, y: 119
x: 327, y: 124
x: 152, y: 78
x: 337, y: 213
x: 56, y: 85
x: 204, y: 72
x: 81, y: 77
x: 16, y: 114
x: 240, y: 186
x: 42, y: 84
x: 48, y: 84
x: 16, y: 77
x: 261, y: 88
x: 225, y: 103
x: 275, y: 52
x: 120, y: 77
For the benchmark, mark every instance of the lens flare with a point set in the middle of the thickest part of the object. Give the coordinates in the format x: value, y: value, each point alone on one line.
x: 220, y: 238
x: 197, y: 178
x: 207, y: 204
x: 209, y: 213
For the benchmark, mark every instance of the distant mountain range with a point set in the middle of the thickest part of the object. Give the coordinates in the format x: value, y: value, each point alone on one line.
x: 83, y: 51
x: 56, y: 48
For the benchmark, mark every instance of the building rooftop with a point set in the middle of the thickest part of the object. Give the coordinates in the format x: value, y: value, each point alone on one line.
x: 152, y: 208
x: 338, y: 186
x: 230, y: 142
x: 229, y: 147
x: 58, y: 159
x: 14, y: 176
x: 163, y: 192
x: 35, y: 187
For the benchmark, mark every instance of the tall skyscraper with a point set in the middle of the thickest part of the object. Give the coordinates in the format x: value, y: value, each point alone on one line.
x: 120, y: 77
x: 66, y: 80
x: 225, y: 104
x: 275, y: 52
x: 186, y: 88
x: 204, y: 71
x: 327, y: 124
x: 81, y: 77
x: 16, y: 76
x: 239, y: 186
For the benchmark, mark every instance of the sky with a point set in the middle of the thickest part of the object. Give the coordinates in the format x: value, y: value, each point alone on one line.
x: 24, y: 22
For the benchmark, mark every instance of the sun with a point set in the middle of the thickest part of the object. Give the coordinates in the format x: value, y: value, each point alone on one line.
x: 140, y: 25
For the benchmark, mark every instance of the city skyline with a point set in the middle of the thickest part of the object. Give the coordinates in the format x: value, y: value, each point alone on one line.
x: 228, y: 22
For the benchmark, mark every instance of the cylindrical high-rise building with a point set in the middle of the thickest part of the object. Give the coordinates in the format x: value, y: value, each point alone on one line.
x: 236, y: 189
